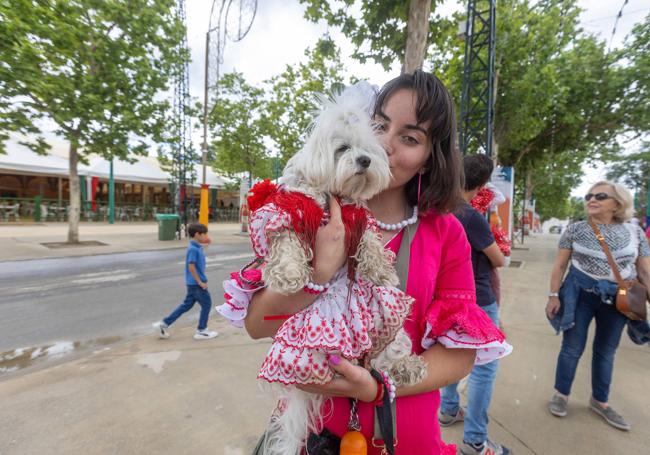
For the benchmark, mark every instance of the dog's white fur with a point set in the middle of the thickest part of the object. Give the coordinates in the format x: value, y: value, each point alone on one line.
x: 334, y: 161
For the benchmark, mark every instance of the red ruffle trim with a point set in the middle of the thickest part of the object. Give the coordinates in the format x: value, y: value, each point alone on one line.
x: 458, y: 311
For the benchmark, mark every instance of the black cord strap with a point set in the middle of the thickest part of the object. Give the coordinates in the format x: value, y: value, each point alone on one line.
x: 384, y: 417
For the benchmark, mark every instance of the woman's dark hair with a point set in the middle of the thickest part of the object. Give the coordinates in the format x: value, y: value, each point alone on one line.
x: 478, y: 169
x: 441, y: 182
x: 196, y: 228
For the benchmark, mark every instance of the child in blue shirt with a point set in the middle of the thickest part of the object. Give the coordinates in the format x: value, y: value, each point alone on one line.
x: 197, y: 285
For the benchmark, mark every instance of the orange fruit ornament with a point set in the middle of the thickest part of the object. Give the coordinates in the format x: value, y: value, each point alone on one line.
x: 353, y: 443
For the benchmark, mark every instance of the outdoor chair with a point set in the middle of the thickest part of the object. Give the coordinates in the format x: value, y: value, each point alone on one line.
x: 89, y: 215
x: 15, y: 212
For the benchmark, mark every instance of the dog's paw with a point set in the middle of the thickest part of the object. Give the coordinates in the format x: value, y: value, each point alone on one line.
x: 286, y: 280
x: 374, y: 262
x: 287, y: 268
x: 408, y: 370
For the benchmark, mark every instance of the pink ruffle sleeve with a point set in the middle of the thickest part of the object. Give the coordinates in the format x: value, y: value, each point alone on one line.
x: 453, y: 318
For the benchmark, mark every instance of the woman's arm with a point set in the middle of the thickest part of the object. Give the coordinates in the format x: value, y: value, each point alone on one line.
x: 445, y: 366
x: 269, y: 303
x: 329, y: 256
x: 643, y: 270
x: 559, y: 268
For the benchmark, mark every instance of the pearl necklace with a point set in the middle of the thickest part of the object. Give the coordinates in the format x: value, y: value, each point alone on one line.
x: 401, y: 224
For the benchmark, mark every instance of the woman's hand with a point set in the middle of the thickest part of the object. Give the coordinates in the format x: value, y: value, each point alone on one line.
x: 552, y: 307
x: 354, y: 381
x: 329, y: 251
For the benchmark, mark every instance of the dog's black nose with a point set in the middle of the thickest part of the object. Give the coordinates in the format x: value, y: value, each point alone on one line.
x: 363, y: 161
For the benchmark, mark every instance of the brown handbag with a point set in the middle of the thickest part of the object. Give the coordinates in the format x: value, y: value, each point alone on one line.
x: 631, y: 296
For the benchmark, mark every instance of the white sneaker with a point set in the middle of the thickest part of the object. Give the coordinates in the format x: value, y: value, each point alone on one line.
x: 205, y: 334
x: 163, y: 330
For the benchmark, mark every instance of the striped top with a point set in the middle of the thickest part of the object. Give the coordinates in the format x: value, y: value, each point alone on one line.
x: 625, y: 241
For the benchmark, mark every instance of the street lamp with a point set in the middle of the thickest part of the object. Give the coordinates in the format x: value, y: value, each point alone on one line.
x: 234, y: 22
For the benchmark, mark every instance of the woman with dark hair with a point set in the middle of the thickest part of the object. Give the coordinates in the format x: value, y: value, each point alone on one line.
x: 416, y: 122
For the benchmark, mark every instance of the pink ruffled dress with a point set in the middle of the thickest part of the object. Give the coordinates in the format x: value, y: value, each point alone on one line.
x: 445, y: 311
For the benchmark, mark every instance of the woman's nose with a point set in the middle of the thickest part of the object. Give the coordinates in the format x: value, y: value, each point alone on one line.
x: 387, y: 143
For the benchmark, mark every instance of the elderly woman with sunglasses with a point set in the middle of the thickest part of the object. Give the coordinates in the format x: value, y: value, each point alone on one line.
x: 588, y: 292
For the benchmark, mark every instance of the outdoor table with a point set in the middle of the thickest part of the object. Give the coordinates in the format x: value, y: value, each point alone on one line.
x: 59, y: 211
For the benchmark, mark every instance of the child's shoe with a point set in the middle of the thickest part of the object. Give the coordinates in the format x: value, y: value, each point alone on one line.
x: 205, y: 334
x: 163, y: 330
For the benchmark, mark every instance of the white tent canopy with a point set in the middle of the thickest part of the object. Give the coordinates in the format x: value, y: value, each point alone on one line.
x: 140, y: 171
x: 21, y: 160
x: 144, y: 170
x: 213, y: 179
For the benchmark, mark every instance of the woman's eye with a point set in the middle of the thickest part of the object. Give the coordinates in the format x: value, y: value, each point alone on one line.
x: 379, y: 127
x: 410, y: 140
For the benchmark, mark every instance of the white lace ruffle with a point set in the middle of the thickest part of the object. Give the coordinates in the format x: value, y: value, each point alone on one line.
x: 237, y: 298
x: 486, y: 350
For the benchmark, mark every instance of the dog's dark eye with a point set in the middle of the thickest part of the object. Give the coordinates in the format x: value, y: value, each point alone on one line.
x: 342, y: 149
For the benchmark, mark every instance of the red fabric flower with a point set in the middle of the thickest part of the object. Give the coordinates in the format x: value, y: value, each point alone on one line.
x: 481, y: 202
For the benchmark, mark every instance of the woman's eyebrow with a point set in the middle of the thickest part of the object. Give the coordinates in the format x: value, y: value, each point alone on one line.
x: 407, y: 126
x: 416, y: 128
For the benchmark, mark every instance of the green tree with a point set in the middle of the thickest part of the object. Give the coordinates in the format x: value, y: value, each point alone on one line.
x: 576, y: 210
x: 558, y: 96
x: 238, y: 128
x: 385, y: 31
x: 292, y: 96
x: 636, y: 102
x: 95, y: 68
x: 633, y: 171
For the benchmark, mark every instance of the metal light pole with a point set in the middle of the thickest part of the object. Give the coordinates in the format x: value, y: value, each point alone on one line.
x: 477, y: 98
x: 111, y: 195
x: 205, y: 195
x: 235, y: 25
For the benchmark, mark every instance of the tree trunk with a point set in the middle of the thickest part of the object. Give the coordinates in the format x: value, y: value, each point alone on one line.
x: 75, y: 196
x: 417, y: 32
x: 529, y: 185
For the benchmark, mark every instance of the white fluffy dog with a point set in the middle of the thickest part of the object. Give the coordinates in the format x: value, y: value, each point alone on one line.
x: 342, y: 156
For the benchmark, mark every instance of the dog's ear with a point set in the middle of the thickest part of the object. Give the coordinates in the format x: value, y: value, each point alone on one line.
x: 361, y: 95
x: 352, y: 118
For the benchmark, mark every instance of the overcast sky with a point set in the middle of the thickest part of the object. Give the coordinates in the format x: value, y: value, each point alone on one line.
x: 279, y: 36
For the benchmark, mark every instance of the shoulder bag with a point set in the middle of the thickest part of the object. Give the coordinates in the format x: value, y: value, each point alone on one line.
x: 631, y: 295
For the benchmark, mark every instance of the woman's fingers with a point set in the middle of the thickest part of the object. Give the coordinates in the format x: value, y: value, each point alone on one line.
x: 329, y: 250
x: 352, y: 381
x: 552, y: 307
x: 335, y: 211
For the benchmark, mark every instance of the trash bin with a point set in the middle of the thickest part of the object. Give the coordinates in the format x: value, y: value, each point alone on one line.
x: 167, y: 225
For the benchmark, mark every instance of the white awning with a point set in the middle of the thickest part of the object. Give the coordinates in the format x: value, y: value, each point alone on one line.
x: 21, y: 160
x: 145, y: 170
x: 140, y: 171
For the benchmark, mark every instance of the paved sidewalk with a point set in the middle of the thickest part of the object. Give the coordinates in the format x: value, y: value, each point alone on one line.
x: 181, y: 396
x: 25, y: 241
